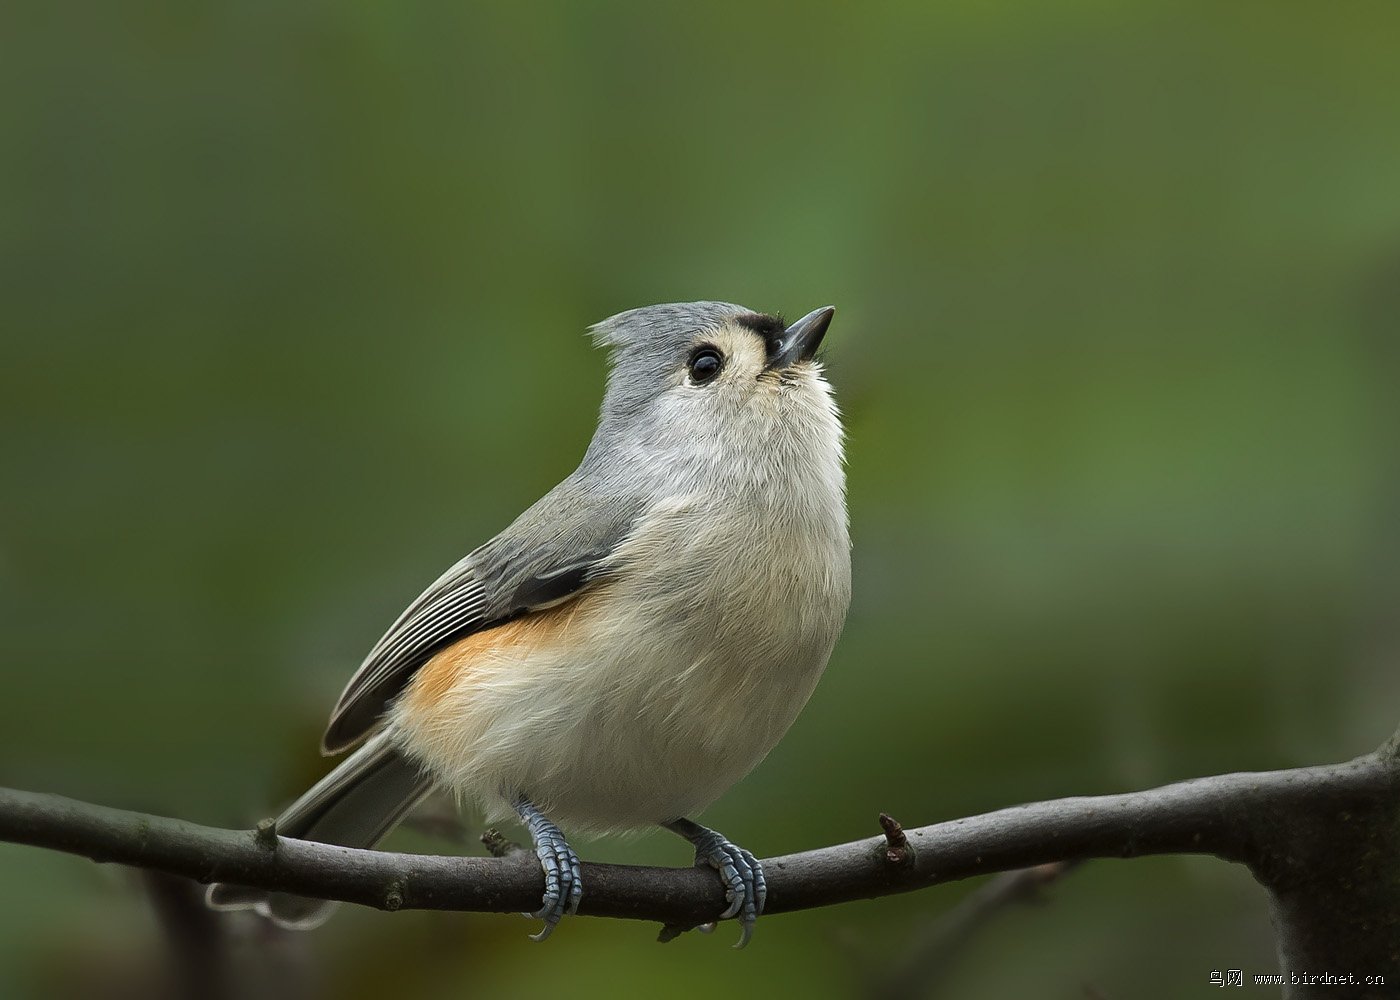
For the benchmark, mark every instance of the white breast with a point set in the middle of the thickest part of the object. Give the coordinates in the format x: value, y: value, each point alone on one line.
x: 647, y: 697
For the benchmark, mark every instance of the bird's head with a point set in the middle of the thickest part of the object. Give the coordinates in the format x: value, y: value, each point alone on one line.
x: 714, y: 377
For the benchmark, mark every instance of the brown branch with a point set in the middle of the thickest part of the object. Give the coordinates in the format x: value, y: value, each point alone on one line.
x: 1321, y: 839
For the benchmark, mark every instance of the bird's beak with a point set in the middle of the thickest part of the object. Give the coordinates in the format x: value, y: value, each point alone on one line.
x: 801, y: 340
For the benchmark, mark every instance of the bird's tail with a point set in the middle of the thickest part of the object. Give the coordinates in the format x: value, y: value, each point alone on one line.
x: 355, y: 805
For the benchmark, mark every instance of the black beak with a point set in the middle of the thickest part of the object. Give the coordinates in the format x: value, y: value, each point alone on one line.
x: 801, y: 340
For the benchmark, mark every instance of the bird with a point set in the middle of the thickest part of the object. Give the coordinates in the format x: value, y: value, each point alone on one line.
x: 636, y: 641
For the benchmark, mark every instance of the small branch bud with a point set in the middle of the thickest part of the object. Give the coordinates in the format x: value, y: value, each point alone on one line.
x: 497, y: 845
x: 897, y: 848
x: 265, y: 834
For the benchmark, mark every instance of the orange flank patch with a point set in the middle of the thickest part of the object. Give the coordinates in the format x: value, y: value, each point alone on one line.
x: 440, y: 674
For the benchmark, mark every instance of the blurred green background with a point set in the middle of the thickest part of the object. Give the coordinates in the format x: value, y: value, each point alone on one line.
x: 293, y: 308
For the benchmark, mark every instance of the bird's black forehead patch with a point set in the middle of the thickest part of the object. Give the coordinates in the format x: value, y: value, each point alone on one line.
x: 761, y: 324
x: 770, y: 328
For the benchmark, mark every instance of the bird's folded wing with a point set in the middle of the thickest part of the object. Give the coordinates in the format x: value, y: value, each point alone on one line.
x: 548, y: 556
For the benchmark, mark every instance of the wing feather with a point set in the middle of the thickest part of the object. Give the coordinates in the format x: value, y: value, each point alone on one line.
x: 535, y: 564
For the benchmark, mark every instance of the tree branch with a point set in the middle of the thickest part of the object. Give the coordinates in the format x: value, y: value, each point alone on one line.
x: 1250, y: 818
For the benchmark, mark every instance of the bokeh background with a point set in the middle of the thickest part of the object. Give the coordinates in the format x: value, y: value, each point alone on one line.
x: 293, y: 301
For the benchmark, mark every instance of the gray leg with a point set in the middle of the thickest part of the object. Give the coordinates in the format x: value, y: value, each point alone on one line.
x: 563, y: 886
x: 742, y: 875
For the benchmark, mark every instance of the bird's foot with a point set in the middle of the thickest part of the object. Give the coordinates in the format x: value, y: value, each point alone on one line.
x: 563, y: 885
x: 745, y: 888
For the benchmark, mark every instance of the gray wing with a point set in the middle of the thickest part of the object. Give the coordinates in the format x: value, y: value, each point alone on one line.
x: 550, y: 554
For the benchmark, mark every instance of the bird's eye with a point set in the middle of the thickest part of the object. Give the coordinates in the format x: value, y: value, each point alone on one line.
x: 705, y: 364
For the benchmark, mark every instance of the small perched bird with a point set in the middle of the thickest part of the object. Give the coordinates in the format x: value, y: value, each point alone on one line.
x: 635, y: 642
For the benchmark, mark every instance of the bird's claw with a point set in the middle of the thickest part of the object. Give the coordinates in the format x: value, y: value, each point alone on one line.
x: 745, y: 888
x: 563, y: 882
